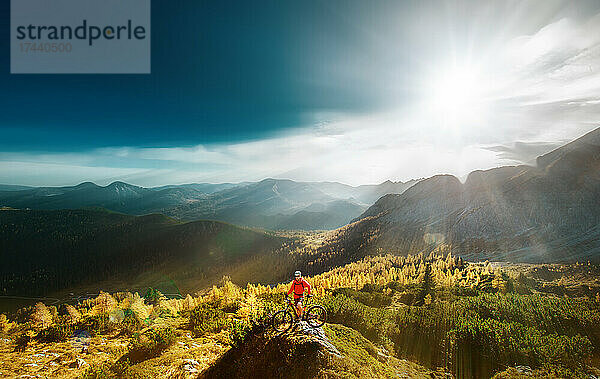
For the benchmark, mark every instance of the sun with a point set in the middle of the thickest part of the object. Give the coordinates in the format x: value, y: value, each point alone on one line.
x: 456, y: 96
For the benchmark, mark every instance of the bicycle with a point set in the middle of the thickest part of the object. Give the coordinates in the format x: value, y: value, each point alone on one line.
x: 314, y: 315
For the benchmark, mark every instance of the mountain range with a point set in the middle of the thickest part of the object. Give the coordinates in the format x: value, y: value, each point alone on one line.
x: 546, y: 213
x: 270, y: 203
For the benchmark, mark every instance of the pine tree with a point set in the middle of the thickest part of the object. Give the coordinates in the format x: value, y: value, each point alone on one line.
x: 153, y: 296
x: 498, y: 281
x: 72, y: 313
x: 41, y: 316
x: 3, y: 322
x: 104, y: 303
x: 509, y: 284
x: 426, y: 286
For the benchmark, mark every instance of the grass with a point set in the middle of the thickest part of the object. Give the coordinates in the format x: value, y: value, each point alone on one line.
x: 362, y: 359
x: 150, y: 343
x: 360, y: 354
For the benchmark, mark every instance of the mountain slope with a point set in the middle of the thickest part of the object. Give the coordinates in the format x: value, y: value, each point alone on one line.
x: 45, y: 251
x: 276, y: 204
x: 271, y: 203
x: 545, y: 213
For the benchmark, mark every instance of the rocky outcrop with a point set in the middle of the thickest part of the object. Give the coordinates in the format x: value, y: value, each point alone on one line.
x: 317, y: 335
x: 300, y: 353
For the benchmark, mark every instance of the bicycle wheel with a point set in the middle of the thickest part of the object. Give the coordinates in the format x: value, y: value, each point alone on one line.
x: 282, y: 321
x: 316, y: 316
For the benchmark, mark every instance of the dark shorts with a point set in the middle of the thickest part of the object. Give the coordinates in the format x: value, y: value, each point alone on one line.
x: 297, y: 300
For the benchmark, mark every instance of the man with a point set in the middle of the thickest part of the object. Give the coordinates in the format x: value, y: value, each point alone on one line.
x: 298, y: 287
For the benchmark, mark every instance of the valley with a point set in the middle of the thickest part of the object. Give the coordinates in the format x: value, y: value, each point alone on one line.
x: 56, y: 252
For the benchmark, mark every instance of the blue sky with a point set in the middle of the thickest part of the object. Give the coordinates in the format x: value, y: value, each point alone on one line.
x: 351, y: 91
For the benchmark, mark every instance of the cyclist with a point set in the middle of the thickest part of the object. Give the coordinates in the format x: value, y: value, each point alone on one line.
x: 298, y: 287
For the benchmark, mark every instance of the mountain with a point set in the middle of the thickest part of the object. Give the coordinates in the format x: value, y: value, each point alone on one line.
x: 201, y: 187
x: 11, y: 187
x: 271, y: 203
x: 275, y: 204
x: 366, y: 194
x: 517, y: 213
x: 115, y: 196
x: 48, y: 251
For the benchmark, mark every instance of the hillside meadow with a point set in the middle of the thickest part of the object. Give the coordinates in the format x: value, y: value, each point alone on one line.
x: 434, y: 315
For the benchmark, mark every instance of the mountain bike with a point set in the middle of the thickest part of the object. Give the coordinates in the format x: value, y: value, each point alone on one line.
x: 314, y: 315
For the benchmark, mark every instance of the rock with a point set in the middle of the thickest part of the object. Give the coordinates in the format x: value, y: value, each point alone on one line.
x: 382, y: 357
x: 189, y: 368
x: 318, y: 335
x: 524, y: 370
x: 78, y: 363
x: 190, y: 365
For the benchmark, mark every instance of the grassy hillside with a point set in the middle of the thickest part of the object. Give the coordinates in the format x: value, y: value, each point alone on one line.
x: 48, y: 251
x: 388, y: 316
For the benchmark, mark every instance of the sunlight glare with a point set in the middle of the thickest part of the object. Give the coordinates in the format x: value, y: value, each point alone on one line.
x: 456, y: 97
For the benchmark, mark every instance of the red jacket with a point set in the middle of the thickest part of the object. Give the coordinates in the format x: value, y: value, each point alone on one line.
x: 298, y: 287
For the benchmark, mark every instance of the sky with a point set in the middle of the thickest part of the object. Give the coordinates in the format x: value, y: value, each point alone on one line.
x: 350, y: 91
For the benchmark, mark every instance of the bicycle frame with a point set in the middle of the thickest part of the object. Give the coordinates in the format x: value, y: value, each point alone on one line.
x: 315, y: 315
x: 290, y: 304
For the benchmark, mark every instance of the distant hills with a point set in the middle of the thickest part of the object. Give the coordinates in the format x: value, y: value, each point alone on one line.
x: 546, y: 213
x: 10, y: 187
x: 47, y: 251
x: 271, y: 203
x: 518, y: 213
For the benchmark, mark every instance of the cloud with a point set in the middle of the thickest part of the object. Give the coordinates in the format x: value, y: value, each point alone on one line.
x: 387, y: 146
x: 536, y: 91
x: 561, y: 61
x: 523, y: 152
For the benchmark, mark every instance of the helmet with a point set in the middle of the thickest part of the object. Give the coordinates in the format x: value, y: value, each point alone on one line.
x: 297, y: 274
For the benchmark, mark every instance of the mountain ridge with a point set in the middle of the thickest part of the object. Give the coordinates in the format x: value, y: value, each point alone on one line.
x: 515, y: 213
x: 269, y: 203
